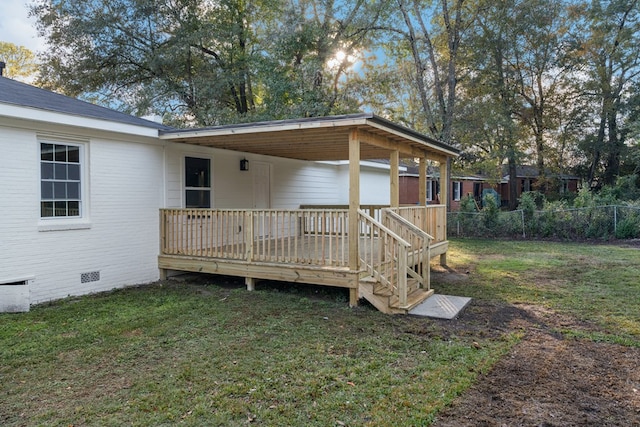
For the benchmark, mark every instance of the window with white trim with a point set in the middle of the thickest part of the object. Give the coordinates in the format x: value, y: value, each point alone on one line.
x: 432, y: 189
x: 456, y: 190
x: 60, y: 180
x: 197, y: 182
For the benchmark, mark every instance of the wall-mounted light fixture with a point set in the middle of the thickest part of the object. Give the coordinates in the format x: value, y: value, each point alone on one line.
x: 244, y: 165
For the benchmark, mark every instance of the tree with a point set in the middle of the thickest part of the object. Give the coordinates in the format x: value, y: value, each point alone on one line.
x: 206, y: 63
x: 312, y: 53
x: 20, y: 62
x: 606, y: 46
x: 538, y: 32
x: 517, y: 83
x: 190, y: 59
x: 432, y: 32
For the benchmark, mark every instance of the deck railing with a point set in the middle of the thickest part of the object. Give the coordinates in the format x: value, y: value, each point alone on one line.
x: 312, y: 237
x: 389, y: 251
x: 431, y: 219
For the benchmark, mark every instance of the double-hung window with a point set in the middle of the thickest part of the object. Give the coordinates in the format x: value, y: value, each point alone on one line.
x: 432, y: 190
x: 197, y: 182
x: 60, y: 180
x: 456, y: 190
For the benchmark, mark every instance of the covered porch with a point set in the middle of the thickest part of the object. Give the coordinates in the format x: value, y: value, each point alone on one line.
x: 381, y: 253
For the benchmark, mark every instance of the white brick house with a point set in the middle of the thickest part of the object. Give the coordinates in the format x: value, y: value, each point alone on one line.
x: 81, y: 187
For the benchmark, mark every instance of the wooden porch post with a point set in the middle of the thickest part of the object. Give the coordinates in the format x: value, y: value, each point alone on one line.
x: 444, y: 182
x: 444, y: 198
x: 422, y: 182
x: 354, y: 205
x: 394, y: 195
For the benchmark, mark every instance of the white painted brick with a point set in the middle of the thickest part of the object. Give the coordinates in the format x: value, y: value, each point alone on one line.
x: 127, y: 181
x: 125, y: 193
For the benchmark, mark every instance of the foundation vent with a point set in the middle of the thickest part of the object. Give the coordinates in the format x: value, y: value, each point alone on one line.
x: 93, y: 276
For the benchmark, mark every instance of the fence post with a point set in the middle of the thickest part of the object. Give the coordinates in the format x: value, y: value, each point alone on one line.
x: 524, y: 235
x: 615, y: 220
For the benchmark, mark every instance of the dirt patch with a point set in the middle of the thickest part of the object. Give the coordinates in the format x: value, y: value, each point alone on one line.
x: 547, y: 380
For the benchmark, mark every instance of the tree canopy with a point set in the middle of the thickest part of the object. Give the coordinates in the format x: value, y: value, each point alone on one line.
x: 20, y: 62
x: 544, y: 82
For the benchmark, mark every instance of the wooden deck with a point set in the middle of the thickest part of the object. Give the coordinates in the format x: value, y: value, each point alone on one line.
x: 310, y: 246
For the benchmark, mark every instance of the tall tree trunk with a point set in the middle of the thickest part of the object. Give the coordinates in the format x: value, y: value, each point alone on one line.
x: 513, y: 180
x: 613, y: 158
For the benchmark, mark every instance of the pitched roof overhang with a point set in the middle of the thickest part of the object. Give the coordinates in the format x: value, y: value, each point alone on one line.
x: 317, y: 138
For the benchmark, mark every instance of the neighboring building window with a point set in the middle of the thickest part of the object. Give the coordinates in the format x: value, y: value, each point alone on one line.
x: 197, y: 182
x: 456, y: 190
x: 526, y: 185
x: 432, y: 189
x: 60, y: 180
x: 564, y: 188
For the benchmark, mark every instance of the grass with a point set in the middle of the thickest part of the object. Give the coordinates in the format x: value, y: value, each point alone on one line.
x: 210, y: 355
x: 214, y: 354
x: 594, y: 283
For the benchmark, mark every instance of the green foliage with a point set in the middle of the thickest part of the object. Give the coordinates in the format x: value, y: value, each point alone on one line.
x: 207, y: 64
x: 629, y: 228
x: 527, y: 204
x: 627, y: 188
x: 490, y: 211
x: 592, y: 216
x: 468, y: 204
x: 510, y: 81
x: 467, y: 218
x: 21, y: 63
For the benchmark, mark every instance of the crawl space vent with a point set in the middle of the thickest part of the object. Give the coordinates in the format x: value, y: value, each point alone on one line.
x: 93, y: 276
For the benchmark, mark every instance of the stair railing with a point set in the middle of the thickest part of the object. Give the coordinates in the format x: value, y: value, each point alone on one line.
x: 418, y: 256
x: 384, y: 255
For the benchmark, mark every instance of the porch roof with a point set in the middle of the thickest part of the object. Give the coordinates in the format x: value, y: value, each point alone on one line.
x: 317, y: 138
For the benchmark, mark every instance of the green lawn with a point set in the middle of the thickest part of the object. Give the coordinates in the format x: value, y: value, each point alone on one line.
x: 595, y: 283
x: 214, y: 354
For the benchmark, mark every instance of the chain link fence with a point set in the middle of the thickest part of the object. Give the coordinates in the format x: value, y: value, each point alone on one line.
x: 598, y: 222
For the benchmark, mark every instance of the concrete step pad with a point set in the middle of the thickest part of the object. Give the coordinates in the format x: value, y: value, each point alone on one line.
x: 441, y: 307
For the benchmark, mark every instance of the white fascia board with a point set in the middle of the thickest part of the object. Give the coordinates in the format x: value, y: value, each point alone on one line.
x: 412, y: 138
x: 263, y: 128
x: 27, y: 113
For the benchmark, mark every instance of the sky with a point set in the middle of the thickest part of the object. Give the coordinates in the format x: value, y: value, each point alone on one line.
x: 16, y: 27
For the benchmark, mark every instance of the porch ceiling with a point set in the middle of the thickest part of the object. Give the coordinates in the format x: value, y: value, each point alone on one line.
x: 318, y: 138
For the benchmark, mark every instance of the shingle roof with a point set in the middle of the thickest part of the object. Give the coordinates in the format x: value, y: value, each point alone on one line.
x: 24, y: 95
x: 529, y: 171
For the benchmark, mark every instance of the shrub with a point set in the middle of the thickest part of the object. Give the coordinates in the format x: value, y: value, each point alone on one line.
x: 628, y: 229
x: 529, y: 202
x: 467, y: 219
x: 626, y: 188
x: 629, y: 225
x: 490, y: 211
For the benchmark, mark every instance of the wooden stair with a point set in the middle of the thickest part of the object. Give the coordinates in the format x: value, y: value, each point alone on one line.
x: 383, y: 298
